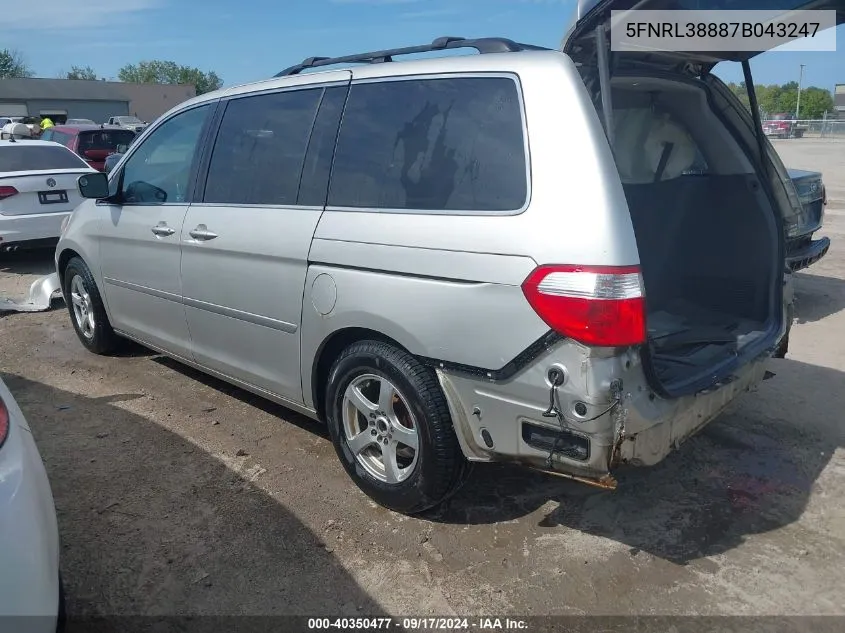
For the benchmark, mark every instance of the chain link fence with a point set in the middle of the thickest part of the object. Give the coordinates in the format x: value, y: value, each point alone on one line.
x: 833, y: 130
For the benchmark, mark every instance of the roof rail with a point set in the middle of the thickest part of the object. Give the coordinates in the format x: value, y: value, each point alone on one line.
x: 482, y: 45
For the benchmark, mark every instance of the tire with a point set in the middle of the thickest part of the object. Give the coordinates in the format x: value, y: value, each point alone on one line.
x: 95, y: 332
x: 783, y: 345
x: 407, y: 483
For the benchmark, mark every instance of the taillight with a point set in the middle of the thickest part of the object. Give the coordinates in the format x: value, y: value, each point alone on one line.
x: 4, y: 422
x: 7, y: 192
x: 601, y: 306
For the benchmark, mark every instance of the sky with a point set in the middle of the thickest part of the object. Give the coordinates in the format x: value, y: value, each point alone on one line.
x: 254, y: 39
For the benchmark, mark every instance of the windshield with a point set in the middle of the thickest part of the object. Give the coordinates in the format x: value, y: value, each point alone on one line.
x: 129, y: 119
x: 104, y: 139
x: 22, y: 157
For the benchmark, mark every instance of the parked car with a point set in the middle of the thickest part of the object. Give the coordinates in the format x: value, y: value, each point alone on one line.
x: 801, y: 249
x: 79, y: 122
x: 92, y: 142
x: 783, y: 126
x: 473, y: 263
x: 128, y: 122
x: 29, y: 550
x: 38, y: 190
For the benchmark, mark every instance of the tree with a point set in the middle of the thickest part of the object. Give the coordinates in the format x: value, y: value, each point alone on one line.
x: 776, y: 99
x: 78, y: 72
x: 167, y: 72
x: 12, y: 65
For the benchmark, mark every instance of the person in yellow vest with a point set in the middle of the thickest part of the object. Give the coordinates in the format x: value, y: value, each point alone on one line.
x: 46, y: 123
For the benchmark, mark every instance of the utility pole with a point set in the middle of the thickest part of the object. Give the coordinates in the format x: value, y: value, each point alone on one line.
x: 800, y: 81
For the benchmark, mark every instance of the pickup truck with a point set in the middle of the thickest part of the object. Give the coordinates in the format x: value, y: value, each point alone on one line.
x: 801, y: 249
x: 127, y: 122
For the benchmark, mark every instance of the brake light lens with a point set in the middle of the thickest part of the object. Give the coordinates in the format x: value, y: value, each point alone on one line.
x: 7, y: 192
x: 4, y: 422
x: 600, y: 306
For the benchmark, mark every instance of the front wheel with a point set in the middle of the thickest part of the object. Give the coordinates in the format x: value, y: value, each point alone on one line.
x: 391, y: 428
x: 87, y: 312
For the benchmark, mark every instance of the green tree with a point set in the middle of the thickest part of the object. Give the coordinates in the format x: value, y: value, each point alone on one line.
x: 78, y: 72
x: 776, y: 99
x: 815, y: 102
x: 12, y: 65
x: 167, y: 72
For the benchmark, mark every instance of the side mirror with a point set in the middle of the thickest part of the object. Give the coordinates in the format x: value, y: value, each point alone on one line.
x: 94, y: 186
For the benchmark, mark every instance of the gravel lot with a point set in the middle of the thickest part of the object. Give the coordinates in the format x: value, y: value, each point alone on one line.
x: 179, y: 494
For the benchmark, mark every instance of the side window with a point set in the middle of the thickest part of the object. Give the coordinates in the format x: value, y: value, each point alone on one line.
x: 260, y: 148
x: 318, y: 160
x: 159, y: 170
x: 451, y: 144
x: 57, y: 137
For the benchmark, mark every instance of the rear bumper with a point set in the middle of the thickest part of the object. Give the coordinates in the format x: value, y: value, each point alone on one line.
x: 17, y: 229
x: 504, y: 421
x: 807, y: 255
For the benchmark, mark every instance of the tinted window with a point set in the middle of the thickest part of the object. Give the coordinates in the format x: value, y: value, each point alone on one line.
x: 104, y: 139
x: 160, y: 169
x: 260, y: 148
x: 60, y: 137
x: 318, y: 160
x: 20, y: 157
x: 433, y: 144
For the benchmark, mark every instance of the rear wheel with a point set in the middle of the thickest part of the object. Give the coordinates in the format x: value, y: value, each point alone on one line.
x: 391, y: 428
x: 87, y: 312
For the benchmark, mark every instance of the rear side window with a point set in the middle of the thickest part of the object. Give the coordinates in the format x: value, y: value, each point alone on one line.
x: 104, y: 140
x: 21, y: 157
x: 56, y: 137
x: 451, y: 144
x: 260, y: 148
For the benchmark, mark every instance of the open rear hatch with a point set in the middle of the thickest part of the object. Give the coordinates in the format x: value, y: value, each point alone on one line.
x: 705, y: 190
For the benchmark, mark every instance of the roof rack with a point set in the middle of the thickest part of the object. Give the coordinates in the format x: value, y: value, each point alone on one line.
x: 482, y: 45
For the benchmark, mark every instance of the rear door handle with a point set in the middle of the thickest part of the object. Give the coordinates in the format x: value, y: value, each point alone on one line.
x: 202, y: 233
x: 162, y: 230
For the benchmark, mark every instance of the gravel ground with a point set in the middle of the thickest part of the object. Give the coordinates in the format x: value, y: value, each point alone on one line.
x: 178, y: 494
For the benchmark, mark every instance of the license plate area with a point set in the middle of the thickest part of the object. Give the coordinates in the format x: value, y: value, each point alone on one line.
x: 52, y: 197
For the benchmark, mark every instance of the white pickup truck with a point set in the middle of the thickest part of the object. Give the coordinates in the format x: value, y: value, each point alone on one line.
x: 127, y: 122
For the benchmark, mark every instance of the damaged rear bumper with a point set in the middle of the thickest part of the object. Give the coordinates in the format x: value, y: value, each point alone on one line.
x: 505, y: 421
x: 655, y: 428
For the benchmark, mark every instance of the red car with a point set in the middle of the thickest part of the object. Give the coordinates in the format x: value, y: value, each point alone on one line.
x: 92, y: 142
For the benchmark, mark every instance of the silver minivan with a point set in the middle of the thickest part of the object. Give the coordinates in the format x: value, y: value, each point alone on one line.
x: 522, y: 255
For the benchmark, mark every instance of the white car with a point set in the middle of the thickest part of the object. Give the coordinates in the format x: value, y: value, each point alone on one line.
x: 29, y: 548
x: 38, y: 191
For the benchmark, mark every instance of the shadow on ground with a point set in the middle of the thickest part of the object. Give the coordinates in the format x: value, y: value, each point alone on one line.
x: 30, y: 262
x: 277, y: 410
x: 749, y: 472
x: 152, y: 524
x: 817, y: 297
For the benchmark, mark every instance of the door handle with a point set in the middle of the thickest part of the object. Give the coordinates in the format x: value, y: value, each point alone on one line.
x: 202, y: 233
x: 162, y: 230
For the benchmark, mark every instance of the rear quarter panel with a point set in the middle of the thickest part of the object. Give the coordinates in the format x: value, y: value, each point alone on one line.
x: 447, y: 287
